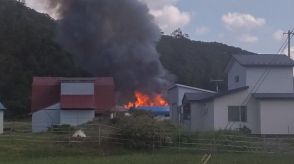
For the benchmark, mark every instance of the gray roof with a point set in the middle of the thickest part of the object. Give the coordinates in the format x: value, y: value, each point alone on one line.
x: 273, y: 95
x: 273, y: 60
x: 200, y: 97
x: 2, y: 106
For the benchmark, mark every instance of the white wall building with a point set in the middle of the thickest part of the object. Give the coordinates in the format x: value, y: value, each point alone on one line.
x: 55, y: 115
x: 75, y: 107
x: 175, y: 97
x: 2, y: 109
x: 260, y: 97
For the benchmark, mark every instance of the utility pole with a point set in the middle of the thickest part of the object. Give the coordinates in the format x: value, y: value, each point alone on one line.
x: 289, y: 33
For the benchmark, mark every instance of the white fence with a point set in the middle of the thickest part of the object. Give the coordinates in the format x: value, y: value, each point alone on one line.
x: 104, y: 134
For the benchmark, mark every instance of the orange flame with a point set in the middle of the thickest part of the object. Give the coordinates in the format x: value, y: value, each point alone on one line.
x: 145, y: 100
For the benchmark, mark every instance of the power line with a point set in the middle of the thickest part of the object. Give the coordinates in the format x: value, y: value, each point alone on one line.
x: 282, y: 48
x: 284, y: 45
x: 259, y: 82
x: 290, y: 35
x: 266, y: 72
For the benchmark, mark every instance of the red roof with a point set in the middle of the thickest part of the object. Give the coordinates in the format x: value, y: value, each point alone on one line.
x: 104, y: 81
x: 47, y: 91
x: 37, y: 81
x: 77, y: 102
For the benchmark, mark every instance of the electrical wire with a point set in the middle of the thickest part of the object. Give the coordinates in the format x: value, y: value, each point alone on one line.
x: 263, y: 76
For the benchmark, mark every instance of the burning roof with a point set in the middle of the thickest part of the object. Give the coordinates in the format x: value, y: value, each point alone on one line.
x: 143, y: 100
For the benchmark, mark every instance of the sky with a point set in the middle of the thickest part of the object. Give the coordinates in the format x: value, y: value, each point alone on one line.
x: 253, y: 25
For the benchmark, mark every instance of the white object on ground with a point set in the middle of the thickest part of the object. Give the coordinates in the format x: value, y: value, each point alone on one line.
x: 79, y: 134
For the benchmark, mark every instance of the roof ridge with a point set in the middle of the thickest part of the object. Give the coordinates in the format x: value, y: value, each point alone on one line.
x: 264, y: 60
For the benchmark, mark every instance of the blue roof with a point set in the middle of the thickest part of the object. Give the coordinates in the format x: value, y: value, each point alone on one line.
x: 157, y: 110
x: 2, y: 106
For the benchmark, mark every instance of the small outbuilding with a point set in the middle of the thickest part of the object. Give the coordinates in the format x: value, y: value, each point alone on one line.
x: 2, y: 109
x: 70, y: 101
x: 175, y: 96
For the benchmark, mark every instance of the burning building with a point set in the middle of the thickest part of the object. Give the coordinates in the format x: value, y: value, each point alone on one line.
x: 113, y: 38
x: 155, y: 103
x: 72, y: 101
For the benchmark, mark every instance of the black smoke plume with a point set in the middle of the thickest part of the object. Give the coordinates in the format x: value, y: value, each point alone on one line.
x: 113, y: 38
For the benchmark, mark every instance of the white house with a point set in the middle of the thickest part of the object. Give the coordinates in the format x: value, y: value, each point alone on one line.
x: 2, y: 109
x: 175, y: 97
x: 260, y: 97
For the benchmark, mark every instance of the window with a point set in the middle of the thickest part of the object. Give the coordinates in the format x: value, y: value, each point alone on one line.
x: 237, y: 79
x: 237, y: 113
x: 234, y: 115
x: 187, y: 112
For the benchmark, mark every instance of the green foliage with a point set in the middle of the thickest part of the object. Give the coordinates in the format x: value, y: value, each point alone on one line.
x: 61, y: 129
x: 195, y: 63
x: 179, y: 34
x: 142, y: 131
x: 245, y: 130
x: 27, y: 49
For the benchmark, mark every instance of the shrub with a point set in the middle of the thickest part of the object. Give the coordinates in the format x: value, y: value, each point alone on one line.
x: 245, y: 130
x: 141, y: 131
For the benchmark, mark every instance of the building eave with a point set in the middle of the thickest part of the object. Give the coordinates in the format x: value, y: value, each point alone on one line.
x: 189, y: 87
x: 273, y: 96
x: 215, y: 96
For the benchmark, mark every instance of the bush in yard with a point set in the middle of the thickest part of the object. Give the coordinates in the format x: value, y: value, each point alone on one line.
x: 245, y: 130
x: 141, y: 130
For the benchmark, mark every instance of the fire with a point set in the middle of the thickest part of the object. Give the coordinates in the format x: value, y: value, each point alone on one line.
x: 145, y: 100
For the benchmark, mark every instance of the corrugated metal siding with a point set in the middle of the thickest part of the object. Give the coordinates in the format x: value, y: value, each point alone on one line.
x: 104, y: 81
x: 45, y: 92
x: 77, y: 102
x: 76, y: 117
x: 45, y: 81
x: 77, y: 88
x: 104, y: 97
x: 104, y: 94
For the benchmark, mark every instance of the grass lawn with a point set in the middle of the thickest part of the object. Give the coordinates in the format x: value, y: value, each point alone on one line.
x: 160, y: 158
x: 23, y: 152
x: 30, y: 148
